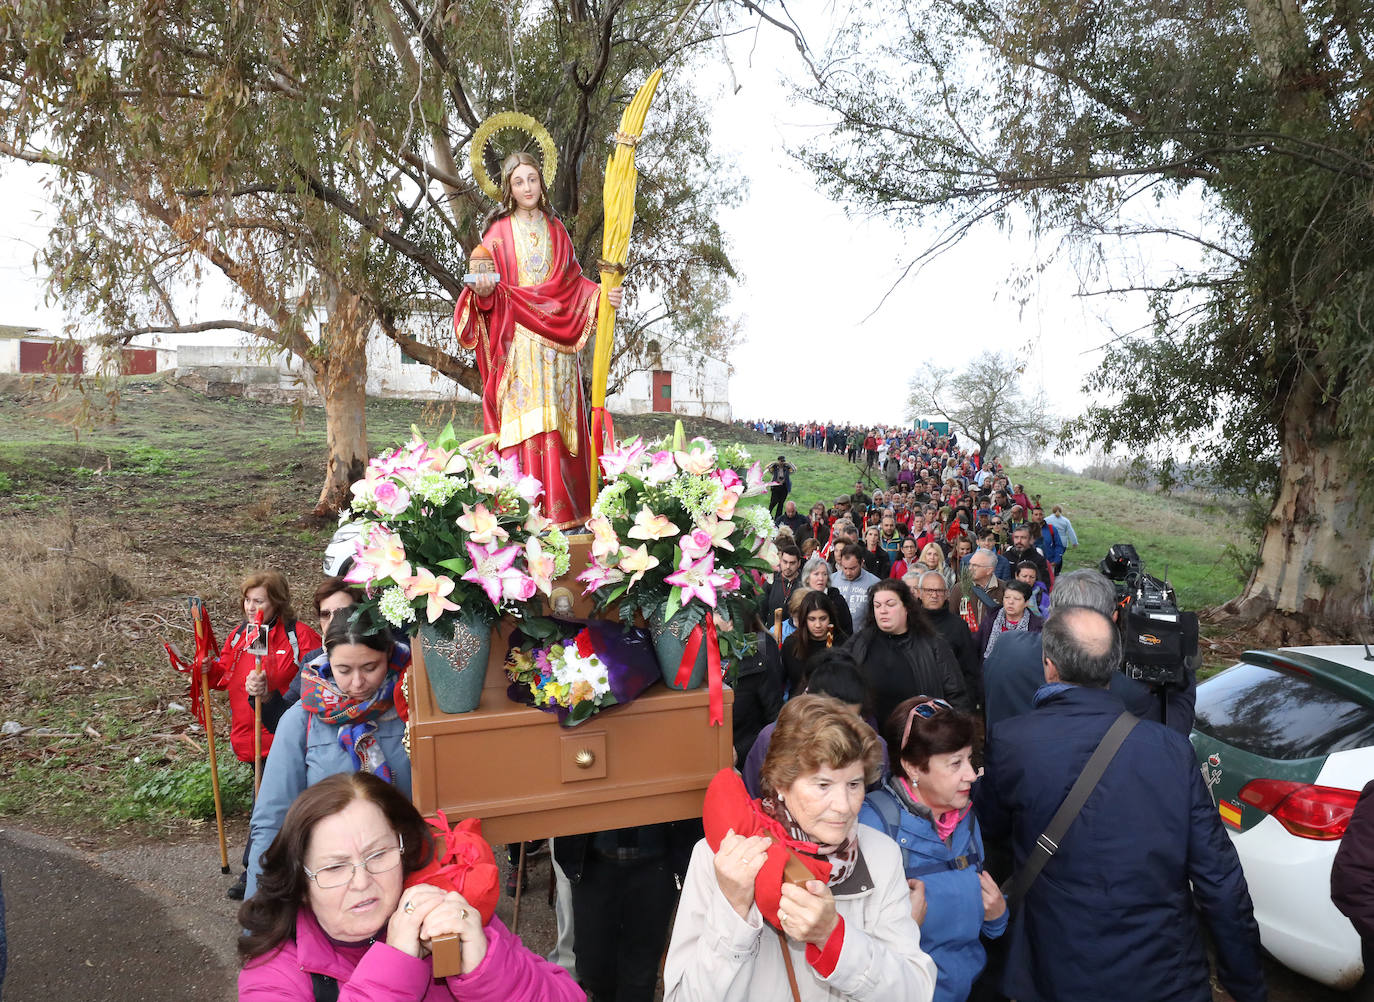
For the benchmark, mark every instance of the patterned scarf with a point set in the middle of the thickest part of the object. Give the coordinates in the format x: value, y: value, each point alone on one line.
x: 357, y: 721
x: 999, y: 626
x: 842, y: 858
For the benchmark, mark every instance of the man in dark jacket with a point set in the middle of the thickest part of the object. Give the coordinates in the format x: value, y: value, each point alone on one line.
x: 784, y: 582
x: 1021, y: 549
x: 933, y: 594
x: 1014, y: 671
x: 1114, y: 912
x: 796, y: 521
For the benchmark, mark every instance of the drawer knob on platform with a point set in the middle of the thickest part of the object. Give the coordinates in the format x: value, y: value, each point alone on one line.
x: 585, y: 758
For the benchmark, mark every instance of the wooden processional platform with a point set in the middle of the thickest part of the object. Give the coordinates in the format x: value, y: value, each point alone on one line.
x: 527, y: 777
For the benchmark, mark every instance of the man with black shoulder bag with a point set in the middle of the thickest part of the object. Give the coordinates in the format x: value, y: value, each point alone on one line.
x: 1117, y: 847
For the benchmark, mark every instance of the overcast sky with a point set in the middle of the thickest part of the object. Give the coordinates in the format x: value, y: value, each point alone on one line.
x: 811, y: 274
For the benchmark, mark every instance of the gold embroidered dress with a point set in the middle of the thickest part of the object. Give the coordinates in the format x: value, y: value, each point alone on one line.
x: 542, y: 380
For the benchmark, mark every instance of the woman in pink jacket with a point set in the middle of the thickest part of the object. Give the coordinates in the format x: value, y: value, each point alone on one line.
x: 333, y: 918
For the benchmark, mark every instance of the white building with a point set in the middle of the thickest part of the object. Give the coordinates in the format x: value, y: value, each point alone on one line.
x: 673, y: 381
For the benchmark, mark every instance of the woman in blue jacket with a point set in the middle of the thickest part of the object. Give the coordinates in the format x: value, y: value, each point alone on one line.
x: 924, y: 807
x: 346, y: 721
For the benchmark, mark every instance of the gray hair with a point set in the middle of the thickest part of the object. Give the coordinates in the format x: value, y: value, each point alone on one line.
x: 983, y: 557
x: 937, y: 574
x: 1087, y: 589
x: 1084, y: 646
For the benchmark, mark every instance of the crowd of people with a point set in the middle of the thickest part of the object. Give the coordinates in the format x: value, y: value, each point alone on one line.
x: 926, y: 684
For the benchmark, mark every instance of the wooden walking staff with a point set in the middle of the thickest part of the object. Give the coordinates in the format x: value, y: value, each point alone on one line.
x: 199, y: 698
x: 618, y: 198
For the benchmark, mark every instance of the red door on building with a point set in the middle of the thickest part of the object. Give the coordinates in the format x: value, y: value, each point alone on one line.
x: 663, y: 390
x: 45, y: 356
x: 138, y: 361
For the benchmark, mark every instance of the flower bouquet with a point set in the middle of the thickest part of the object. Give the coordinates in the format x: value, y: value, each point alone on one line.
x: 602, y: 664
x: 672, y: 542
x: 448, y: 542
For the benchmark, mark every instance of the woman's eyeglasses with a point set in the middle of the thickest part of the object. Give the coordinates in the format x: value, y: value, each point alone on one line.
x: 338, y: 874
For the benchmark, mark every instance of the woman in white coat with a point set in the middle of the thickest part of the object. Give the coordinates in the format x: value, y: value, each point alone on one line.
x: 850, y: 937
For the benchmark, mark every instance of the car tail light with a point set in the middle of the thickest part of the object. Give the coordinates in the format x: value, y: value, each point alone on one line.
x: 1316, y: 812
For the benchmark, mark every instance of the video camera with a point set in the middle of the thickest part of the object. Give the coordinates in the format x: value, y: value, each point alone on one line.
x: 1157, y: 638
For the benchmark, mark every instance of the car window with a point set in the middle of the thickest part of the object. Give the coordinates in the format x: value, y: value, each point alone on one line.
x: 1280, y: 716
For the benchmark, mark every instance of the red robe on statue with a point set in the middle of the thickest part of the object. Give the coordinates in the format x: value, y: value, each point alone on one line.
x: 526, y: 335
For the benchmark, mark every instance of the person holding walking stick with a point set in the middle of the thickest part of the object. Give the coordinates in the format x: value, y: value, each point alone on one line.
x: 253, y: 673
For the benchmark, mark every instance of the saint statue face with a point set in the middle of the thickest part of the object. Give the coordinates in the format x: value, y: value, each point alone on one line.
x: 525, y: 186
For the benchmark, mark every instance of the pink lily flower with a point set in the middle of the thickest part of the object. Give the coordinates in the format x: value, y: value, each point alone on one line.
x: 699, y: 458
x: 605, y: 543
x: 481, y: 525
x: 541, y: 565
x: 491, y: 567
x: 529, y: 488
x: 381, y: 556
x: 726, y: 508
x: 620, y: 459
x: 636, y: 562
x: 694, y: 577
x: 435, y: 589
x: 754, y: 483
x: 650, y: 526
x: 662, y: 469
x: 535, y: 523
x: 728, y: 478
x: 599, y: 576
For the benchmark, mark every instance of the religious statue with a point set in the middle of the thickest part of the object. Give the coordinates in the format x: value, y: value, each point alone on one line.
x: 527, y: 320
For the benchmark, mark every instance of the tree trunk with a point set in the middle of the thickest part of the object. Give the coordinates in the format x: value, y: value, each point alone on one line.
x: 1313, y: 578
x: 344, y: 387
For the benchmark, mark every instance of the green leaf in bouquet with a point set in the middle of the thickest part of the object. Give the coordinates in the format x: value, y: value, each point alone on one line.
x: 674, y: 602
x: 458, y: 565
x: 539, y: 628
x: 615, y: 593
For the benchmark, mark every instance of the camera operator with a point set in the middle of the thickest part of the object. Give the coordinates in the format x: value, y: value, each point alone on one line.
x: 1014, y: 671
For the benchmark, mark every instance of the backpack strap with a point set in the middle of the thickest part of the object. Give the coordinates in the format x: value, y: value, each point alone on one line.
x: 888, y: 809
x: 326, y: 989
x: 295, y: 644
x: 1048, y: 843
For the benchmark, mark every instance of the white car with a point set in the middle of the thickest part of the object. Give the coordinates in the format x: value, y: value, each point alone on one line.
x: 342, y: 548
x: 1285, y: 740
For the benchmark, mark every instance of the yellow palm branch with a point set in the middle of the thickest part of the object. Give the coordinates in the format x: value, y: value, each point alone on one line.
x: 618, y: 196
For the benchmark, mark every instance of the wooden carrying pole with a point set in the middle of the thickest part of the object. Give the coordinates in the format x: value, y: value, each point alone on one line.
x: 777, y: 626
x: 214, y: 770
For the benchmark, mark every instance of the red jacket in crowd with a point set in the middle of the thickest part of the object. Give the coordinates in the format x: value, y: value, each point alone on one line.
x: 231, y: 669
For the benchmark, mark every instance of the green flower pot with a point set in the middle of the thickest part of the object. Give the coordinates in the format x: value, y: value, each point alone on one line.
x: 670, y: 643
x: 456, y: 664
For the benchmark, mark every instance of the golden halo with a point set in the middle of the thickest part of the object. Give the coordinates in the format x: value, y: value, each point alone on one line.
x: 527, y: 124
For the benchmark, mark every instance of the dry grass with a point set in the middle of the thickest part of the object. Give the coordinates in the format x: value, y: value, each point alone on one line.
x: 60, y: 579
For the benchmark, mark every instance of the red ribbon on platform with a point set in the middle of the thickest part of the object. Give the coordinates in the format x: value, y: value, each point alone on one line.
x: 713, y: 678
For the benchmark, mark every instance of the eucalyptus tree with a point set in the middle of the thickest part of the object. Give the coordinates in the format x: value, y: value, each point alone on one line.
x: 1090, y: 120
x: 314, y: 154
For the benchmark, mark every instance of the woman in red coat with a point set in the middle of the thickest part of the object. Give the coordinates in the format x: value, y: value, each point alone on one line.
x: 236, y: 669
x: 526, y: 324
